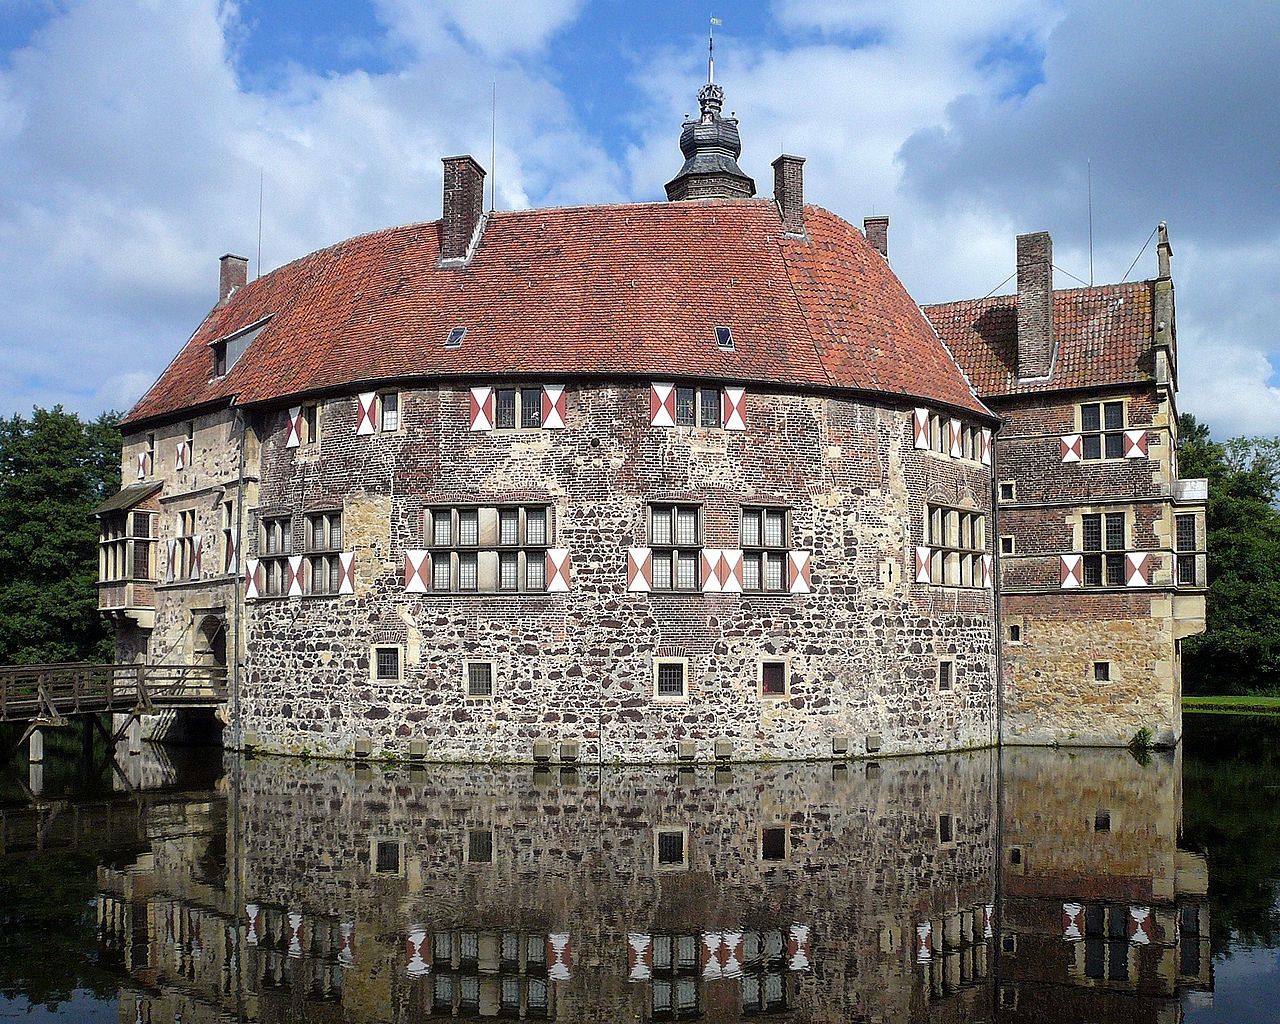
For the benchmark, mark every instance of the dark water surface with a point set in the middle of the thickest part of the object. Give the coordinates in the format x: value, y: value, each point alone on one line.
x: 1033, y: 885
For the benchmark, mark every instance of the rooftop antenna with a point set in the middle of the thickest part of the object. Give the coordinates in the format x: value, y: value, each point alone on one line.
x: 493, y: 149
x: 258, y: 267
x: 1089, y: 173
x: 711, y: 50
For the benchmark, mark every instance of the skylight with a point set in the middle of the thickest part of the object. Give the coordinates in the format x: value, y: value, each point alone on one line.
x: 724, y: 338
x: 455, y: 337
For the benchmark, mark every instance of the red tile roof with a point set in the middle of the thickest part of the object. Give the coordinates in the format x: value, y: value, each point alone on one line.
x: 604, y: 290
x: 1103, y: 335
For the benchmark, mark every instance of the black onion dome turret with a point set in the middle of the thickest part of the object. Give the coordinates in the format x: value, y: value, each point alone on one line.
x: 711, y: 146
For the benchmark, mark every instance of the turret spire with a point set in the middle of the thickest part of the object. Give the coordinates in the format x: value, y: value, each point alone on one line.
x: 711, y: 145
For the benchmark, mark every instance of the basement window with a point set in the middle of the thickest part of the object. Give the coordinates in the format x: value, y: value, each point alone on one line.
x: 479, y: 678
x: 386, y: 664
x: 455, y: 337
x: 724, y: 338
x: 1102, y: 671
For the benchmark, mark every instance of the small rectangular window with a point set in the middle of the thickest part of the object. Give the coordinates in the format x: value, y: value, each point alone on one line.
x: 310, y: 424
x: 508, y: 571
x: 1102, y: 821
x: 441, y: 572
x: 773, y: 679
x: 386, y: 664
x: 670, y: 679
x: 389, y: 402
x: 946, y: 673
x: 531, y: 407
x: 387, y: 857
x: 479, y: 679
x: 441, y: 527
x: 468, y: 571
x: 468, y: 527
x: 1006, y: 545
x: 454, y: 340
x: 535, y: 526
x: 946, y: 827
x: 669, y: 847
x: 686, y: 407
x: 710, y: 402
x: 535, y: 572
x: 509, y: 526
x: 504, y: 409
x: 724, y: 338
x: 773, y: 843
x: 1102, y: 671
x: 1015, y: 634
x: 479, y: 846
x: 1007, y: 490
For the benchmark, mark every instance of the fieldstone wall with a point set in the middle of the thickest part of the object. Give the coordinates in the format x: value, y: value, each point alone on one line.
x: 862, y: 647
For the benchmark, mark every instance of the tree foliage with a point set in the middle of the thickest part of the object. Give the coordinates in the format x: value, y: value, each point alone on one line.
x: 54, y: 468
x: 1240, y: 650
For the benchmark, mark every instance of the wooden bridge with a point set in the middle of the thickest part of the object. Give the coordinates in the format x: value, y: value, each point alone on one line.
x: 51, y: 696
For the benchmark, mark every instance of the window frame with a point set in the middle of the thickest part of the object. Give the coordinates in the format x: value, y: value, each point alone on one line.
x: 522, y: 393
x: 665, y: 698
x: 785, y: 829
x: 760, y: 556
x: 382, y: 411
x: 667, y: 865
x: 272, y: 559
x: 467, y: 665
x: 952, y: 563
x: 673, y: 551
x: 945, y: 670
x: 1104, y: 436
x: 451, y: 555
x: 322, y: 562
x: 309, y: 434
x: 374, y: 675
x: 785, y: 664
x: 1103, y: 567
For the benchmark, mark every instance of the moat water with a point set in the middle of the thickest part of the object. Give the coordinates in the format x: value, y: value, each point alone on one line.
x: 1029, y: 885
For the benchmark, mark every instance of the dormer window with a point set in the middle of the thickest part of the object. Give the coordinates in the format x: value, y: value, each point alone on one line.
x: 227, y: 351
x: 724, y: 338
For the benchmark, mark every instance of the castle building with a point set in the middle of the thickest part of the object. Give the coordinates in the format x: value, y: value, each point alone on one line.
x: 661, y: 481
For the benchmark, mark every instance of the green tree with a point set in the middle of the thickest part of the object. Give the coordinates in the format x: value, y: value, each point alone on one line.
x: 54, y: 468
x: 1239, y: 652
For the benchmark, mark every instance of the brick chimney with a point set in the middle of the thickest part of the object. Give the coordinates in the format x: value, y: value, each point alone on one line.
x: 233, y: 273
x: 1035, y: 305
x: 463, y: 206
x: 877, y: 231
x: 788, y: 191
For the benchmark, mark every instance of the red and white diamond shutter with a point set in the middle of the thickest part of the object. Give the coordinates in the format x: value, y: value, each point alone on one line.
x: 417, y: 572
x: 710, y: 574
x: 142, y: 465
x: 639, y: 956
x: 347, y: 572
x: 957, y: 439
x: 920, y: 424
x: 986, y: 446
x: 480, y: 405
x: 171, y: 573
x: 293, y: 428
x: 367, y: 413
x: 710, y: 955
x: 922, y: 565
x: 799, y: 574
x: 662, y: 405
x: 639, y: 570
x: 231, y: 567
x: 293, y: 574
x: 1135, y: 444
x: 553, y: 407
x: 559, y: 956
x: 731, y: 955
x: 1072, y: 571
x: 731, y: 571
x: 799, y: 948
x: 1072, y: 448
x: 252, y: 579
x: 987, y: 566
x: 197, y: 556
x: 416, y: 952
x: 182, y: 455
x: 1139, y: 925
x: 733, y: 402
x: 924, y: 942
x: 1137, y: 569
x: 1072, y: 922
x: 557, y: 571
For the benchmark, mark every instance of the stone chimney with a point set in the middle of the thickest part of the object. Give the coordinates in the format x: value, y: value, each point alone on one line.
x: 1035, y: 305
x: 463, y: 206
x: 788, y: 191
x: 877, y: 231
x: 1163, y: 252
x: 233, y: 273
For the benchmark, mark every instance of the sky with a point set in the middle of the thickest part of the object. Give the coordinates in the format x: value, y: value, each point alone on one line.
x: 135, y: 136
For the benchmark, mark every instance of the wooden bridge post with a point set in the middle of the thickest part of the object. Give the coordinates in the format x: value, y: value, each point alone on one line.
x: 35, y: 747
x: 135, y: 735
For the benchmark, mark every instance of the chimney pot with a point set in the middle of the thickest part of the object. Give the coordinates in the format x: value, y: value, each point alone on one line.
x: 877, y: 231
x: 233, y: 273
x: 1035, y: 305
x: 788, y: 192
x: 463, y: 206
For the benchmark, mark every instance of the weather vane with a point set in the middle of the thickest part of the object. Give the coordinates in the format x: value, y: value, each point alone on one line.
x: 711, y: 49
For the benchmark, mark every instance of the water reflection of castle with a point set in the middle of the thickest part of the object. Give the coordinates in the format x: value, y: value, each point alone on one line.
x: 912, y: 890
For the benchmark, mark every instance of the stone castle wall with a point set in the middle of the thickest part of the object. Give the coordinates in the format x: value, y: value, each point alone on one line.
x: 862, y: 647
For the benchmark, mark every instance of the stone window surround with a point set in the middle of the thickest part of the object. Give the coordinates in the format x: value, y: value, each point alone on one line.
x: 1075, y: 521
x: 1098, y: 669
x: 947, y: 831
x: 772, y: 659
x: 951, y: 675
x: 373, y: 663
x: 489, y: 546
x: 661, y: 830
x: 941, y: 551
x: 1078, y: 413
x: 1012, y: 485
x: 785, y: 859
x: 467, y: 858
x: 466, y: 679
x: 374, y: 843
x: 1020, y: 622
x: 671, y: 698
x: 1013, y: 544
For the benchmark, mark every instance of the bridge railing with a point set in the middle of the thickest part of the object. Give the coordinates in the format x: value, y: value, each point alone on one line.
x: 39, y: 691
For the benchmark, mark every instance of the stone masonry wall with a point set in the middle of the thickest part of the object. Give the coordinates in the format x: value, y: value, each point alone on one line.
x: 862, y: 647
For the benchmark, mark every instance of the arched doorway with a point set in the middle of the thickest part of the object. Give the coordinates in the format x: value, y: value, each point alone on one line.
x: 211, y: 642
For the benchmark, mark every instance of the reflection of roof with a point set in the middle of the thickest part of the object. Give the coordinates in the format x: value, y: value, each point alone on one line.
x: 127, y: 497
x: 605, y: 290
x: 1104, y: 336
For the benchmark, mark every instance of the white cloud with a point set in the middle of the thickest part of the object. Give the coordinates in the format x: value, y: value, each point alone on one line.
x: 495, y: 27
